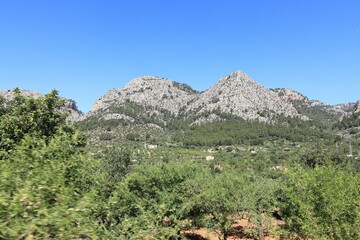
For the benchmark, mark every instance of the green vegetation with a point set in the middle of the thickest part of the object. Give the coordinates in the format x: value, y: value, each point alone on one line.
x: 184, y: 87
x: 131, y: 181
x: 322, y: 203
x: 37, y: 117
x: 349, y: 124
x: 316, y: 113
x: 45, y: 176
x: 238, y: 131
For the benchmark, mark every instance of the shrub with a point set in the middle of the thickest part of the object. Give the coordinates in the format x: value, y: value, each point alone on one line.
x: 322, y: 203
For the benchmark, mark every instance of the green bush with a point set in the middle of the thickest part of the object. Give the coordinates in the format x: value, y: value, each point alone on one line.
x: 322, y: 203
x: 224, y: 197
x: 43, y: 189
x: 151, y: 201
x: 45, y: 176
x: 105, y: 136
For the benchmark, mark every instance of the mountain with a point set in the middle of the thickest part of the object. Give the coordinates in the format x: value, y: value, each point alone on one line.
x: 240, y: 95
x: 156, y: 92
x: 159, y: 110
x: 161, y: 102
x: 70, y: 105
x: 314, y: 109
x: 236, y: 94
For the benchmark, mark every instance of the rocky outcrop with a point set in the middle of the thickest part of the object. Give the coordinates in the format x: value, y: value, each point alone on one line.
x: 290, y: 95
x: 157, y: 100
x: 240, y: 95
x: 301, y: 103
x: 74, y: 113
x: 357, y: 107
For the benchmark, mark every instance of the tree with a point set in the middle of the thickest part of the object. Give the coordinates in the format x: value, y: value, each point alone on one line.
x: 229, y: 195
x: 45, y: 176
x: 28, y: 115
x: 152, y: 201
x: 261, y: 193
x: 322, y: 203
x: 221, y: 199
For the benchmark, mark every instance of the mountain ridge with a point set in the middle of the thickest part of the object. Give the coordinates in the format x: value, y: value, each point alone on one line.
x: 236, y: 94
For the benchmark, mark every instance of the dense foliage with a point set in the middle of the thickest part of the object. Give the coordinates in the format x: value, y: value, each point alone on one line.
x: 35, y: 116
x: 44, y: 174
x: 349, y: 124
x: 322, y: 203
x: 238, y: 131
x: 350, y: 121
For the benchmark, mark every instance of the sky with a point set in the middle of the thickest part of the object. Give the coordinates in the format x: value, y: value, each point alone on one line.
x: 83, y: 48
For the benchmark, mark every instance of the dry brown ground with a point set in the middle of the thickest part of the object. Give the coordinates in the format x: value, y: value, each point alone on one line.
x: 237, y: 232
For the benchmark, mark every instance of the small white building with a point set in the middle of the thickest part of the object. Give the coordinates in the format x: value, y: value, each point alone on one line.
x: 151, y: 146
x: 209, y: 158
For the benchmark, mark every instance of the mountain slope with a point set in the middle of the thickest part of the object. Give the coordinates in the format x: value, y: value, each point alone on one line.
x: 159, y: 93
x: 314, y: 109
x: 349, y: 125
x: 240, y: 95
x: 235, y: 94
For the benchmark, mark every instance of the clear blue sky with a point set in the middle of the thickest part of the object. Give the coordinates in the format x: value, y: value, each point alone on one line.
x: 83, y: 47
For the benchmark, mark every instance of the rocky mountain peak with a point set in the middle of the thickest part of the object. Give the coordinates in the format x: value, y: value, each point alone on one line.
x: 156, y: 92
x: 145, y: 80
x: 238, y: 75
x: 240, y: 95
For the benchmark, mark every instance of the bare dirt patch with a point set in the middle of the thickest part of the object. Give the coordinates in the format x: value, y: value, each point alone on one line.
x: 238, y: 231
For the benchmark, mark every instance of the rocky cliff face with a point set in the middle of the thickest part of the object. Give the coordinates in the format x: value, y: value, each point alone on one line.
x: 70, y: 105
x: 290, y: 95
x: 240, y: 95
x: 357, y: 107
x: 74, y: 113
x: 159, y: 93
x: 236, y: 94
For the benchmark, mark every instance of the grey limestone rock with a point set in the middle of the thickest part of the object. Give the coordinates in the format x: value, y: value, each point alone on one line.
x: 236, y: 94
